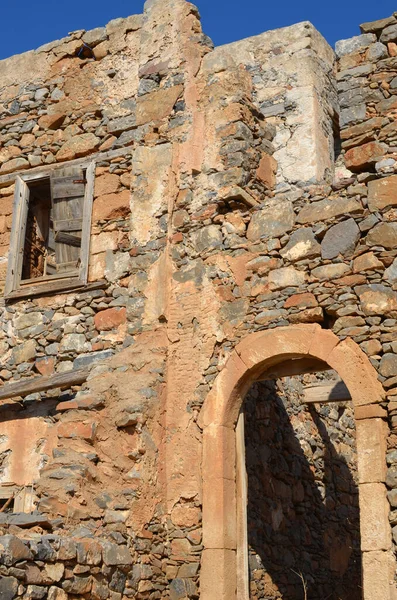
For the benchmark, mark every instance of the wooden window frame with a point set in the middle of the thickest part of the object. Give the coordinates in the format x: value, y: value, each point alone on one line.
x: 23, y: 497
x: 17, y: 288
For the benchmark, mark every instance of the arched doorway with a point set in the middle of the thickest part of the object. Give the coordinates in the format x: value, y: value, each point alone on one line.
x: 223, y: 569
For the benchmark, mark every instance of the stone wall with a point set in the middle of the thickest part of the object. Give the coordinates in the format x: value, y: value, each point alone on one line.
x: 225, y: 204
x: 303, y: 515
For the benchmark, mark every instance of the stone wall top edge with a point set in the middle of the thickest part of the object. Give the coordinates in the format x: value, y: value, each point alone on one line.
x: 285, y: 36
x: 17, y: 67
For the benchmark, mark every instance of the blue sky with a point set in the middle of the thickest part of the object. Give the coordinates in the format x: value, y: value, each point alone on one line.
x: 27, y: 24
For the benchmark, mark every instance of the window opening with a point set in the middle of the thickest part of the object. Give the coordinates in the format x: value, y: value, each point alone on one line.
x: 51, y: 231
x: 7, y: 504
x: 52, y: 245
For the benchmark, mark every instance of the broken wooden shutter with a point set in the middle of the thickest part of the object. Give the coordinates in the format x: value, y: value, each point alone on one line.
x: 67, y: 192
x: 18, y: 229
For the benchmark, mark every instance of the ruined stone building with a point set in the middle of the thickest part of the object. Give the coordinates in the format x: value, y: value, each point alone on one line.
x: 198, y: 269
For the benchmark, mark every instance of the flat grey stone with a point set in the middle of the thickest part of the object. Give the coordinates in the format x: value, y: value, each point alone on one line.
x: 340, y: 239
x: 330, y: 271
x: 275, y: 219
x: 327, y: 209
x: 86, y: 360
x: 355, y: 71
x: 273, y: 110
x: 121, y: 124
x: 28, y: 320
x: 8, y: 588
x: 388, y: 365
x: 25, y: 520
x: 207, y: 238
x: 95, y: 36
x: 390, y: 273
x: 353, y: 44
x: 355, y: 114
x: 389, y: 34
x: 377, y: 51
x: 114, y: 554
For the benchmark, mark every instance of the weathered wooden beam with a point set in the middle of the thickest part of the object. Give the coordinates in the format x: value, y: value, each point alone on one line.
x: 40, y: 384
x: 296, y: 366
x: 55, y: 285
x: 334, y: 391
x: 43, y: 170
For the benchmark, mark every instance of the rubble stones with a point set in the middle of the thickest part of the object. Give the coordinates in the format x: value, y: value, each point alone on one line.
x: 175, y: 282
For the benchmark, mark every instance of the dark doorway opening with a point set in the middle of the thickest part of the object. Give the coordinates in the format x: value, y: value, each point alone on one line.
x: 303, y: 514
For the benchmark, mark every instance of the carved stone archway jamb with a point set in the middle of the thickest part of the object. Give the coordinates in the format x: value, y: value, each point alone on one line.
x: 250, y: 359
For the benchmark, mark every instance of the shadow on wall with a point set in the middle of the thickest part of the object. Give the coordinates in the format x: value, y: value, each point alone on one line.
x: 303, y: 515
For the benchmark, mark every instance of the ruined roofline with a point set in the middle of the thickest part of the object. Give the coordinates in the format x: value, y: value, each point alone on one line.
x: 131, y: 22
x: 295, y: 31
x: 94, y: 37
x: 134, y: 22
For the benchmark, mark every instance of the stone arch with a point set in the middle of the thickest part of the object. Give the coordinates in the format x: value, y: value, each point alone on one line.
x: 252, y: 357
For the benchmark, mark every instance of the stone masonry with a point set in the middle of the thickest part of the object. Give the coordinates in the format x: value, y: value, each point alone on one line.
x: 244, y: 217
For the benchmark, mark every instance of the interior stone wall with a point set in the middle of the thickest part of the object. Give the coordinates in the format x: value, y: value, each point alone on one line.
x: 303, y: 513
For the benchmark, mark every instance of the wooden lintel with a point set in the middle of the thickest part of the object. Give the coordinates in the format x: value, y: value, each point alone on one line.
x: 44, y: 170
x: 296, y: 366
x: 40, y: 384
x: 334, y: 391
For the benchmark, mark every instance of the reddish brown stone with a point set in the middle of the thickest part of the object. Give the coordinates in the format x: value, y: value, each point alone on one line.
x: 382, y: 193
x: 64, y: 406
x: 371, y: 411
x: 306, y: 300
x: 86, y: 431
x: 157, y: 105
x: 177, y: 237
x: 45, y: 366
x: 392, y: 47
x: 108, y: 183
x: 185, y: 516
x: 364, y: 156
x: 267, y: 170
x: 110, y: 318
x: 51, y: 121
x: 112, y: 206
x: 311, y: 315
x: 350, y: 280
x: 79, y: 145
